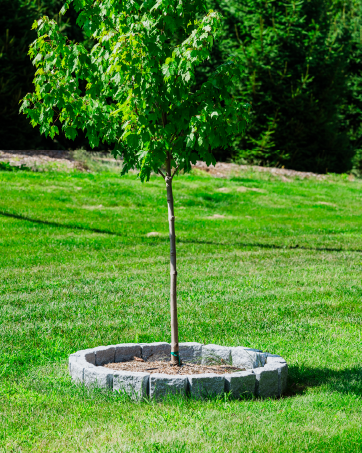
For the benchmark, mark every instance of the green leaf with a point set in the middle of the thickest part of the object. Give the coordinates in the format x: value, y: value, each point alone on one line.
x: 64, y: 8
x: 70, y: 132
x: 137, y: 81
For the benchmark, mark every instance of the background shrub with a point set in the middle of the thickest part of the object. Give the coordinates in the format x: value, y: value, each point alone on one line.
x: 17, y: 72
x: 302, y: 76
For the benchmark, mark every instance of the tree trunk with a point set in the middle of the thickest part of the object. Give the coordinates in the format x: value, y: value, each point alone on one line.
x: 175, y: 358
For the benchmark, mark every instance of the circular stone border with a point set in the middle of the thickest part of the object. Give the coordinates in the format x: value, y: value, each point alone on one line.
x: 265, y: 376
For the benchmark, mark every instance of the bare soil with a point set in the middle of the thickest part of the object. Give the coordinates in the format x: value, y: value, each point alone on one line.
x: 34, y: 158
x: 167, y: 368
x: 66, y: 159
x: 224, y: 170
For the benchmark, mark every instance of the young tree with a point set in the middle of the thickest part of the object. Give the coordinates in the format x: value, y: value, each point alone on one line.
x: 135, y: 89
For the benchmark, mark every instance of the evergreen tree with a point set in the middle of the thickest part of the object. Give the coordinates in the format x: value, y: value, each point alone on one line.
x: 297, y: 75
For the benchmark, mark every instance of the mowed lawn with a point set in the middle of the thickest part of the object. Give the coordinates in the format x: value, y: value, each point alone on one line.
x: 280, y: 271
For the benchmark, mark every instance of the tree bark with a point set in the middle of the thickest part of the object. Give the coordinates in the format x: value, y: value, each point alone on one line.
x: 175, y: 358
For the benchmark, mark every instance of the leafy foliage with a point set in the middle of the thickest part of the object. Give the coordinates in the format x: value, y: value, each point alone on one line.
x: 351, y: 110
x: 318, y: 128
x: 300, y: 63
x: 135, y: 87
x: 15, y: 22
x: 5, y: 166
x: 17, y: 72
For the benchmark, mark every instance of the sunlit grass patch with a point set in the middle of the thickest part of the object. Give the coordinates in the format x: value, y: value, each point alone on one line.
x: 279, y: 271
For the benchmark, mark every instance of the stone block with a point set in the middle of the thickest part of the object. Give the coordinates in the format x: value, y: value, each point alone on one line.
x: 72, y: 359
x: 267, y: 382
x: 126, y: 351
x: 152, y: 352
x: 76, y: 371
x: 134, y: 384
x: 247, y: 358
x: 282, y: 369
x: 76, y: 368
x: 267, y: 375
x: 88, y: 354
x: 272, y: 358
x: 104, y: 354
x: 190, y: 352
x: 240, y: 383
x: 206, y: 385
x: 283, y: 376
x: 213, y: 354
x: 162, y: 385
x: 98, y: 377
x: 275, y: 366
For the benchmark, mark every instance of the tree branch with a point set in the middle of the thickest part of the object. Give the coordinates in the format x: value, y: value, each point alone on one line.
x: 160, y: 172
x: 175, y: 171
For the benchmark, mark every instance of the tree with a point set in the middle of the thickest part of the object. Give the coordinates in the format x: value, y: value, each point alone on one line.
x: 17, y: 72
x: 301, y: 76
x: 136, y: 89
x: 16, y: 19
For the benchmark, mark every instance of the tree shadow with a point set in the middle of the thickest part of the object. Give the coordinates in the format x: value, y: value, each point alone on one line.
x: 269, y: 246
x: 347, y: 381
x: 59, y: 225
x: 155, y: 239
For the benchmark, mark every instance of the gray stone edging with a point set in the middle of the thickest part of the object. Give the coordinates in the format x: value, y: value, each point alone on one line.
x: 265, y: 376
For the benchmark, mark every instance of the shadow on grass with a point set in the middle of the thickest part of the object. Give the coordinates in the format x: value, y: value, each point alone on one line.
x: 185, y: 241
x: 269, y: 246
x: 59, y: 225
x: 346, y: 381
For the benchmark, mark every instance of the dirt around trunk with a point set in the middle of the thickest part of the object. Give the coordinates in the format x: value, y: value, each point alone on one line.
x: 166, y: 368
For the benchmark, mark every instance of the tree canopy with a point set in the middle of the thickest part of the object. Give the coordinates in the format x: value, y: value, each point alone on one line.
x: 135, y: 88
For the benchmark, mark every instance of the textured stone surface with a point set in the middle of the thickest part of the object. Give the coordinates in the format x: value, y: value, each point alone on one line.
x: 190, y: 352
x: 275, y: 366
x: 88, y: 354
x: 76, y: 371
x: 104, y: 354
x: 267, y: 379
x: 240, y: 383
x: 247, y: 358
x: 155, y: 351
x: 98, y: 377
x: 162, y: 385
x: 283, y: 375
x: 267, y: 382
x: 272, y: 358
x: 252, y: 349
x: 206, y: 385
x: 282, y: 369
x: 214, y: 354
x: 126, y: 351
x: 134, y: 384
x: 72, y: 359
x: 76, y: 367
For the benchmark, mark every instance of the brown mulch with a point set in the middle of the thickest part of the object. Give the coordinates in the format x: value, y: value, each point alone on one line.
x: 167, y: 368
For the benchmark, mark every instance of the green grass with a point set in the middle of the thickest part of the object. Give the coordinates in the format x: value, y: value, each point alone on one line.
x: 280, y: 272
